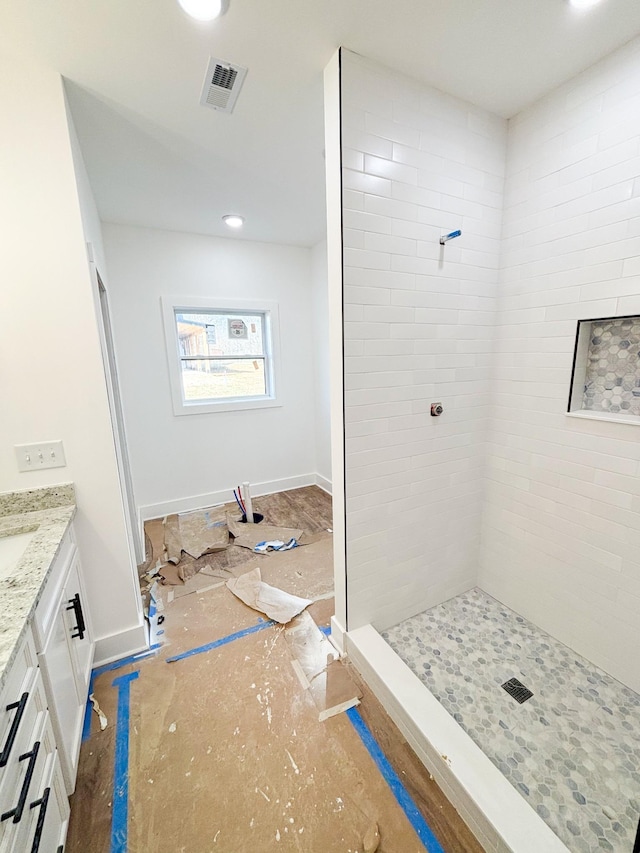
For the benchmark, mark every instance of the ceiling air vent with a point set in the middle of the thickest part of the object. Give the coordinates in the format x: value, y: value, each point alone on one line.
x: 222, y: 85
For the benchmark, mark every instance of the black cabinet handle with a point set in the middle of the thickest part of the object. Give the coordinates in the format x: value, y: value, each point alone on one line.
x: 76, y: 605
x: 16, y: 813
x: 15, y: 725
x: 60, y: 849
x: 42, y: 804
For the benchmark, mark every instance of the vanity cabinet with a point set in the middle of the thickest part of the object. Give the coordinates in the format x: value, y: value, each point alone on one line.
x: 42, y: 706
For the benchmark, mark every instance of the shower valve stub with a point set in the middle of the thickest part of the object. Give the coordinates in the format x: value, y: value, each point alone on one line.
x: 450, y: 236
x: 436, y: 410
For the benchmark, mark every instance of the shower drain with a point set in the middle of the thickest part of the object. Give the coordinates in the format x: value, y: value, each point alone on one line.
x: 517, y: 689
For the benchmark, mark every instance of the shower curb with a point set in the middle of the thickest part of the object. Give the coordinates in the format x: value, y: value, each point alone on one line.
x: 493, y: 810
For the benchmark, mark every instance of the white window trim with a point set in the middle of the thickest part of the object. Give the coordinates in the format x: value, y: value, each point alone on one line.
x: 173, y: 304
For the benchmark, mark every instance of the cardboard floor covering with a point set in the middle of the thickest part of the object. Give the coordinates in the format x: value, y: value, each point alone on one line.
x: 227, y: 753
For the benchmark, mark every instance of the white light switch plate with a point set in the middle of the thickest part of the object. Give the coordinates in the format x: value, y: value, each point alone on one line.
x: 44, y: 454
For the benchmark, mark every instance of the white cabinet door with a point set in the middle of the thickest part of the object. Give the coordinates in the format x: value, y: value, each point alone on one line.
x: 50, y: 593
x: 79, y: 628
x: 66, y: 706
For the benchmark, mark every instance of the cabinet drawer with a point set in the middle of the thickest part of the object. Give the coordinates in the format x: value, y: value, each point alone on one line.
x: 19, y: 796
x: 31, y: 722
x: 15, y: 704
x: 48, y: 818
x: 46, y: 610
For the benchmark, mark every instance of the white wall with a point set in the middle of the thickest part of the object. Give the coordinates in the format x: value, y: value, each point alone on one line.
x: 322, y: 382
x: 91, y: 225
x: 562, y: 525
x: 51, y: 372
x: 92, y: 228
x: 418, y: 329
x: 181, y: 462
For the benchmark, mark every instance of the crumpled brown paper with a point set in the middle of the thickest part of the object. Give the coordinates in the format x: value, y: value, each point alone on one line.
x: 275, y: 603
x: 249, y: 535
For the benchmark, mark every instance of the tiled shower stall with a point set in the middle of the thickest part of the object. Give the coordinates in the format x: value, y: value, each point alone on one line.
x: 502, y: 536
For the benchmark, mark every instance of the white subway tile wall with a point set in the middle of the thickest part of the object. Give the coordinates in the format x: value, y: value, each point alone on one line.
x: 486, y: 326
x: 419, y: 325
x: 561, y: 527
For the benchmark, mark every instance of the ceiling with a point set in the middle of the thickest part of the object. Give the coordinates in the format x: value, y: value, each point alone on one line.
x: 135, y: 69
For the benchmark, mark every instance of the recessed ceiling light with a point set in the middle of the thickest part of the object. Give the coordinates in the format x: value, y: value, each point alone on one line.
x: 204, y: 10
x: 583, y: 4
x: 233, y: 220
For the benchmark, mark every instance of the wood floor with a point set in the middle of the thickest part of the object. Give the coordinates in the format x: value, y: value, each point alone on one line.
x: 227, y: 752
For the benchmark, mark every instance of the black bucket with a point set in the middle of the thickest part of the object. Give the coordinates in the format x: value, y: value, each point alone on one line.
x: 257, y: 518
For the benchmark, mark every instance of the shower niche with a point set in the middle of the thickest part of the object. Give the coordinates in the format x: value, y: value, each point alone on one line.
x: 605, y: 382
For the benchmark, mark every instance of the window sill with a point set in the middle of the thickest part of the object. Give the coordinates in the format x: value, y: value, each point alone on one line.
x: 202, y: 408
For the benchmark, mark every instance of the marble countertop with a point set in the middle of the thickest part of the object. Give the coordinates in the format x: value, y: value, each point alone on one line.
x: 47, y: 513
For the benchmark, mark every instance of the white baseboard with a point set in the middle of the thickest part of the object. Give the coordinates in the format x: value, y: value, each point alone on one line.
x: 324, y: 484
x: 494, y: 811
x: 120, y: 645
x: 195, y: 502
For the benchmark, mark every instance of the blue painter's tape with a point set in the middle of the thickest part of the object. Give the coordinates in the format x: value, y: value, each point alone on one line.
x: 223, y: 642
x: 118, y: 664
x: 120, y: 811
x: 415, y: 818
x: 110, y: 667
x: 326, y: 629
x: 86, y: 724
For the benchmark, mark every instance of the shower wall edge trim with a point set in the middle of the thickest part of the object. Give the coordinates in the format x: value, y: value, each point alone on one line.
x: 335, y: 284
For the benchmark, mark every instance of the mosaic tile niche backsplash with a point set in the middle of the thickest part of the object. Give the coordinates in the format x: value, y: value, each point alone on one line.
x: 612, y: 379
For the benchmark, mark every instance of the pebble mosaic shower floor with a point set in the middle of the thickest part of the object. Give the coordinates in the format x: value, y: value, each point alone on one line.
x: 572, y: 750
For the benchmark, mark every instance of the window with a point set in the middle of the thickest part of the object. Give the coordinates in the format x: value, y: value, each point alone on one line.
x: 222, y: 354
